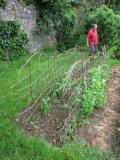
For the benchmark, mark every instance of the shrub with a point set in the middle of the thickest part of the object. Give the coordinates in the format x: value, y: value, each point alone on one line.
x: 106, y: 20
x: 59, y: 19
x: 13, y: 41
x: 116, y: 52
x: 3, y: 3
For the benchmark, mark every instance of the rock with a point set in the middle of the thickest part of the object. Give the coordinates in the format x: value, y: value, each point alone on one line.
x: 54, y: 140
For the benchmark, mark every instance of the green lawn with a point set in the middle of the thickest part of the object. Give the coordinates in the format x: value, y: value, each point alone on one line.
x: 14, y: 145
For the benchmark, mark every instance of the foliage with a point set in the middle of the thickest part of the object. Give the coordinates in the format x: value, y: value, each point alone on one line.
x: 49, y: 49
x: 117, y: 26
x: 59, y: 19
x: 116, y: 43
x: 13, y: 40
x: 94, y: 94
x: 114, y: 4
x: 106, y: 26
x: 116, y: 52
x: 76, y: 98
x: 3, y: 3
x: 44, y: 106
x: 70, y: 132
x: 28, y: 2
x: 16, y: 145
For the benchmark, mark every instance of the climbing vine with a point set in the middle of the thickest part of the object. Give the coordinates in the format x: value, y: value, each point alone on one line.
x: 12, y: 40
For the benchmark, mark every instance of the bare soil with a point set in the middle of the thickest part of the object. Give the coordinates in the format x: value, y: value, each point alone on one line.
x: 102, y: 130
x: 47, y: 126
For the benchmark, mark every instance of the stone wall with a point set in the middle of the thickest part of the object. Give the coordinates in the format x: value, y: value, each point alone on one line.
x: 26, y: 15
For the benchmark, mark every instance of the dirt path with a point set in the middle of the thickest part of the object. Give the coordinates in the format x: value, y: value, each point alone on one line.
x: 103, y: 127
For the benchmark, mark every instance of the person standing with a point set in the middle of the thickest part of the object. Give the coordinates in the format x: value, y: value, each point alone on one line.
x: 92, y: 40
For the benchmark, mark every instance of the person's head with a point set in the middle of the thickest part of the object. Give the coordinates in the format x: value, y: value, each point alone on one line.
x: 94, y: 27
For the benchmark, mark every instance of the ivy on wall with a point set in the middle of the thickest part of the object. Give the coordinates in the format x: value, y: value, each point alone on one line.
x: 12, y: 40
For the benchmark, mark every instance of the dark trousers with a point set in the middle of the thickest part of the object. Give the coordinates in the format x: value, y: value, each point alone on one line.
x: 93, y: 50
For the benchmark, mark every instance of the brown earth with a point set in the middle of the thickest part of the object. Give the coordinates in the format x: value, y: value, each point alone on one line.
x: 47, y: 126
x: 102, y: 130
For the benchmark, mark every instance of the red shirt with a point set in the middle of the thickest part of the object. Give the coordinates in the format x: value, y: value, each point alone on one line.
x: 92, y: 37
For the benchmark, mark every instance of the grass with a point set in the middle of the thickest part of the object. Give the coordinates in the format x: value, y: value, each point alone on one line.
x: 113, y: 62
x: 14, y: 145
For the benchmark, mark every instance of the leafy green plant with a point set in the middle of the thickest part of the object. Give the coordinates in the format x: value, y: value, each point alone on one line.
x: 49, y: 49
x: 94, y: 95
x: 13, y: 41
x: 44, y: 106
x: 3, y: 3
x: 76, y: 98
x: 70, y: 133
x: 73, y: 126
x: 107, y: 23
x: 28, y: 2
x: 58, y: 92
x: 58, y: 16
x: 116, y: 52
x: 59, y: 19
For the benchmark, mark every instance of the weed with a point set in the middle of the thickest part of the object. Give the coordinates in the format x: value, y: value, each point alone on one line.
x: 44, y: 106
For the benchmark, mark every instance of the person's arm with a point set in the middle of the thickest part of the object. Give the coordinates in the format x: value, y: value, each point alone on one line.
x: 87, y: 41
x: 97, y: 38
x: 88, y: 36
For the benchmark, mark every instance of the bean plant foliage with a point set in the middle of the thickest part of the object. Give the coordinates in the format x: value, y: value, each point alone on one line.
x: 12, y: 40
x: 95, y: 94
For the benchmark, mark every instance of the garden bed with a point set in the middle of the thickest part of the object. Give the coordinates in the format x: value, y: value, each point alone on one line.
x: 101, y: 131
x: 50, y: 126
x: 61, y: 118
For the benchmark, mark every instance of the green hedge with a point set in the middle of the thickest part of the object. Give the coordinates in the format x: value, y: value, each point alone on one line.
x: 3, y: 3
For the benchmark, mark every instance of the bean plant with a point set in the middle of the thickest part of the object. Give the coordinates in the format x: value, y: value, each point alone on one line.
x: 44, y: 106
x: 95, y: 93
